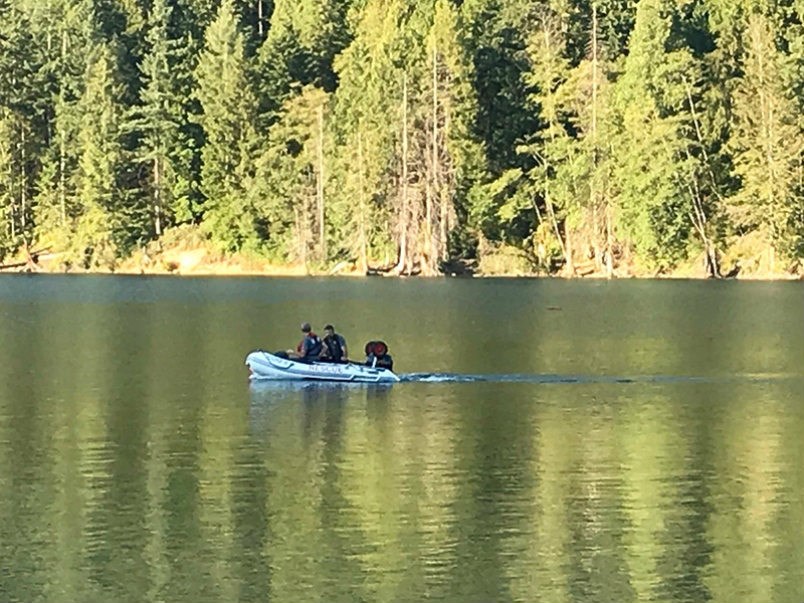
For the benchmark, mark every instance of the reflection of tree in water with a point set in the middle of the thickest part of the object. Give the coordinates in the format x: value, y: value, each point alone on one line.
x: 323, y: 401
x: 686, y: 546
x: 341, y: 535
x: 312, y: 536
x: 598, y: 568
x: 252, y: 563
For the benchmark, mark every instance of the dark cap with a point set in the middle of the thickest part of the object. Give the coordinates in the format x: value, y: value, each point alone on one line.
x: 329, y: 328
x: 306, y: 328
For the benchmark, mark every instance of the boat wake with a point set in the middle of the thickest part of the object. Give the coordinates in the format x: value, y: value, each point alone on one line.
x: 271, y: 385
x: 581, y: 379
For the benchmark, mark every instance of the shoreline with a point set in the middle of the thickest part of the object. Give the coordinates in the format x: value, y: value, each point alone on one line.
x: 275, y: 271
x: 202, y: 262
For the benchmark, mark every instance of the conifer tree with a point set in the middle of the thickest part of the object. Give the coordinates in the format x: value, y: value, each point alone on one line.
x: 767, y: 143
x: 105, y: 216
x: 290, y: 193
x: 8, y: 181
x: 165, y: 145
x: 497, y: 33
x: 366, y: 129
x: 648, y: 144
x: 228, y: 105
x: 453, y: 157
x: 299, y: 48
x: 658, y: 129
x: 22, y: 129
x: 68, y: 43
x: 569, y: 176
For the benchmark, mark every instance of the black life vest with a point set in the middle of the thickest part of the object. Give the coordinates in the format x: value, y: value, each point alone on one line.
x: 334, y: 347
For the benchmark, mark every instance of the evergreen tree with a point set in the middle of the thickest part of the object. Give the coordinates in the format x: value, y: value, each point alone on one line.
x: 9, y: 181
x: 649, y: 144
x: 570, y: 177
x: 289, y: 193
x: 228, y: 106
x: 68, y: 44
x: 767, y: 143
x: 366, y: 128
x: 614, y: 21
x: 166, y: 147
x: 102, y: 228
x: 497, y: 32
x: 453, y: 161
x: 299, y: 49
x: 404, y: 134
x: 23, y: 126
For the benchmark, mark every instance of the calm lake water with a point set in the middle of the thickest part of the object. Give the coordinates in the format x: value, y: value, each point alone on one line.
x: 578, y: 441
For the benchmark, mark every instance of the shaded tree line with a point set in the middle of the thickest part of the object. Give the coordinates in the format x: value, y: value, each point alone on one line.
x: 407, y: 136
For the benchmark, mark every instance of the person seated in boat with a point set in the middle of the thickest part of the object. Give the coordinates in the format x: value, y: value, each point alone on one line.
x: 377, y: 355
x: 309, y: 348
x: 334, y: 349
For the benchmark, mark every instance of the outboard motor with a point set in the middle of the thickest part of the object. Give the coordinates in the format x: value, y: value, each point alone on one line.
x: 377, y: 355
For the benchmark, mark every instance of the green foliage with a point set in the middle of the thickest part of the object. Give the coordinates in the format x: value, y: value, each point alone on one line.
x: 366, y: 128
x: 8, y: 180
x: 648, y: 139
x: 166, y: 146
x: 768, y: 145
x: 228, y: 119
x: 283, y: 196
x: 496, y: 36
x: 103, y: 226
x: 304, y: 38
x: 23, y: 113
x: 403, y: 133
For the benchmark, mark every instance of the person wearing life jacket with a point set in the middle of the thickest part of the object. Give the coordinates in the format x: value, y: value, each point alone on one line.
x: 309, y: 348
x: 335, y: 349
x: 377, y: 355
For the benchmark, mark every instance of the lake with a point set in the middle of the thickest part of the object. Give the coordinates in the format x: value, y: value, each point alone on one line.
x: 553, y: 441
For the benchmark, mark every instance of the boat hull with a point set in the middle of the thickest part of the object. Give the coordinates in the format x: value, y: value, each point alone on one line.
x: 264, y: 365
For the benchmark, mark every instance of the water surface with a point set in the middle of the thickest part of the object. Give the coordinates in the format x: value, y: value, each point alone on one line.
x: 552, y: 441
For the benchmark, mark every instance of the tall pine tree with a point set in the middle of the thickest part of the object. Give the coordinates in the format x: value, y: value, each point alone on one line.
x: 101, y: 230
x: 165, y: 146
x: 21, y: 133
x: 768, y: 146
x: 228, y: 119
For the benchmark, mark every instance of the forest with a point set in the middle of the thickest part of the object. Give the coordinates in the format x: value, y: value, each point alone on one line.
x: 573, y: 137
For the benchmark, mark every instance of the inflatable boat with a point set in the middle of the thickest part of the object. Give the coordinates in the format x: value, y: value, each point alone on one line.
x: 264, y: 365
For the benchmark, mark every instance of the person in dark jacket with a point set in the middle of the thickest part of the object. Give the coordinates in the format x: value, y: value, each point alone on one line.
x: 310, y: 347
x: 335, y: 349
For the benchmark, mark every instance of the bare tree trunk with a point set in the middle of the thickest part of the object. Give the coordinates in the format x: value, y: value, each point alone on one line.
x: 570, y: 265
x: 301, y: 231
x: 322, y: 240
x: 593, y: 191
x: 402, y: 264
x: 433, y: 260
x: 446, y: 203
x: 362, y: 195
x: 62, y: 143
x: 13, y: 209
x: 62, y: 169
x: 157, y: 198
x: 260, y: 24
x: 596, y: 238
x: 609, y: 242
x: 23, y: 182
x: 565, y: 245
x: 699, y: 214
x: 608, y: 259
